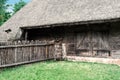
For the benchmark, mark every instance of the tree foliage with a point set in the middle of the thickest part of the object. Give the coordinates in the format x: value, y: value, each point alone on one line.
x: 4, y: 14
x: 18, y: 6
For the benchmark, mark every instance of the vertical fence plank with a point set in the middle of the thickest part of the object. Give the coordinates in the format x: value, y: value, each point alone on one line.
x: 15, y: 55
x: 45, y: 52
x: 0, y: 56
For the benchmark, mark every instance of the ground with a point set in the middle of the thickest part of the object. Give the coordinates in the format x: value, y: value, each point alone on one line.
x: 62, y: 70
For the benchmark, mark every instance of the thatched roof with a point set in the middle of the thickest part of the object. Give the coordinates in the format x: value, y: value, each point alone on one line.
x: 43, y: 12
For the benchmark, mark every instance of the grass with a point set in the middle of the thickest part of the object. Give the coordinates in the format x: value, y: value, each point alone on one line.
x: 62, y: 71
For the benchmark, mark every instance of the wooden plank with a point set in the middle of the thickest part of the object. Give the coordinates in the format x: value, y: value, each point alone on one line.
x: 15, y: 55
x: 26, y: 62
x: 28, y: 45
x: 22, y: 52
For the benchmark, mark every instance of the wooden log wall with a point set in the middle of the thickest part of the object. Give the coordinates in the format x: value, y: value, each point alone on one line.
x: 89, y: 40
x: 103, y: 42
x: 20, y: 52
x: 115, y: 40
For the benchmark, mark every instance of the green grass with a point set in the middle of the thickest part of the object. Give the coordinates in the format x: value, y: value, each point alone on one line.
x: 62, y: 71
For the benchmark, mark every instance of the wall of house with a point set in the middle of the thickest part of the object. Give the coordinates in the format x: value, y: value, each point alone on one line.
x: 87, y: 40
x: 102, y: 40
x: 110, y: 44
x: 115, y: 39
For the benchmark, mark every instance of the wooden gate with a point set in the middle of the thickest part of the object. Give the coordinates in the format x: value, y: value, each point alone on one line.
x: 93, y: 43
x: 89, y: 43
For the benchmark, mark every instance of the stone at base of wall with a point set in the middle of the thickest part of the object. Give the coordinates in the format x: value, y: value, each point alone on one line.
x: 98, y: 60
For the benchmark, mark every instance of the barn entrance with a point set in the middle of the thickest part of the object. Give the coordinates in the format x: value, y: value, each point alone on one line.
x: 89, y: 43
x: 92, y: 43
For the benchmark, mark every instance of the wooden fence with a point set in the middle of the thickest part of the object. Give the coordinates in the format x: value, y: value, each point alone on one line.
x: 21, y: 52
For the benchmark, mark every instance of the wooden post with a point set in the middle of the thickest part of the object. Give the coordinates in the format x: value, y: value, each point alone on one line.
x: 15, y: 54
x: 46, y: 54
x: 0, y: 56
x: 26, y: 35
x: 55, y: 52
x: 64, y: 53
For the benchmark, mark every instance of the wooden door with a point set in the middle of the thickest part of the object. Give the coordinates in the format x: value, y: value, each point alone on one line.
x: 92, y: 43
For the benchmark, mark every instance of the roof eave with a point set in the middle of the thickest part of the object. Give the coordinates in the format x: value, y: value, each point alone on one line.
x: 73, y: 23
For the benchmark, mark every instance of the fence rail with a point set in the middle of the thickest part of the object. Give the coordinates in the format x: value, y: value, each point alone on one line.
x: 20, y: 52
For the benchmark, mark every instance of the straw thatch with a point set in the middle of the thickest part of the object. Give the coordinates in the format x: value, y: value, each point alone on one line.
x: 42, y: 12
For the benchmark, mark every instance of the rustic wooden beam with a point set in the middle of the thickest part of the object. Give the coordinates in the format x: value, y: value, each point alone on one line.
x: 26, y: 45
x: 26, y: 35
x: 26, y: 62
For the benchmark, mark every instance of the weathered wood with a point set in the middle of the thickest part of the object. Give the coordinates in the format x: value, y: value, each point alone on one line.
x: 25, y: 62
x: 89, y: 43
x: 64, y: 51
x: 21, y: 52
x: 26, y: 35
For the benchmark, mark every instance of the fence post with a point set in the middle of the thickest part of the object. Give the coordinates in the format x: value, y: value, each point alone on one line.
x: 15, y: 52
x: 64, y: 53
x: 15, y: 55
x: 0, y: 57
x: 46, y: 53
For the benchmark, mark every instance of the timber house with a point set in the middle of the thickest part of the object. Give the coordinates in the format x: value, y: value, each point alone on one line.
x: 88, y: 28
